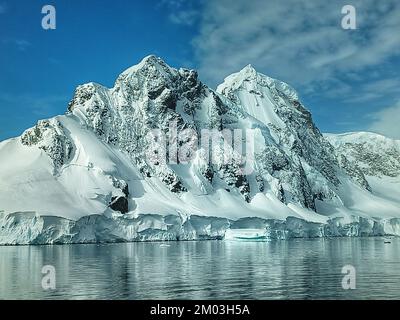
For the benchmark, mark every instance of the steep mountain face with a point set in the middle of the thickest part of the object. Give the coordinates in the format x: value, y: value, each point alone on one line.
x: 299, y: 157
x: 371, y: 159
x: 373, y: 154
x: 134, y: 162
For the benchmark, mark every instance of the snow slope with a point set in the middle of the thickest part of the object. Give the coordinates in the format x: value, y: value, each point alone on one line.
x: 378, y: 159
x: 93, y: 175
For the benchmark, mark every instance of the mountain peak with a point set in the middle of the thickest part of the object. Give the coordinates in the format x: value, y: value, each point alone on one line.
x: 248, y: 69
x: 250, y: 78
x: 150, y: 64
x: 246, y: 76
x: 152, y: 60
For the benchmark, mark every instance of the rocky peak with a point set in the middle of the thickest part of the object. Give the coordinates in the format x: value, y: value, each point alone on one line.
x: 277, y: 106
x: 250, y: 80
x: 248, y: 73
x: 150, y: 68
x: 372, y: 154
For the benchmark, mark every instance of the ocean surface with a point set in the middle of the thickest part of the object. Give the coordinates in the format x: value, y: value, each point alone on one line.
x: 291, y: 269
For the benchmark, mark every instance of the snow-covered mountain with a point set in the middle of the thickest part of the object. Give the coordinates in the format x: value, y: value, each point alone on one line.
x: 374, y: 154
x: 93, y: 174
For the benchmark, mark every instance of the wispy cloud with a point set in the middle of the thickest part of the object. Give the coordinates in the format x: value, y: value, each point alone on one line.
x: 3, y: 8
x: 374, y: 90
x: 20, y: 44
x: 184, y: 12
x: 186, y: 17
x: 299, y: 41
x: 22, y: 110
x: 40, y: 106
x: 387, y: 121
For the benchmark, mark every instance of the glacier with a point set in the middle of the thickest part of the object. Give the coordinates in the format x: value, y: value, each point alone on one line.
x: 86, y: 176
x: 29, y: 228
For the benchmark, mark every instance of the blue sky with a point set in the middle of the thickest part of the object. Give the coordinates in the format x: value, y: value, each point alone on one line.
x: 349, y: 79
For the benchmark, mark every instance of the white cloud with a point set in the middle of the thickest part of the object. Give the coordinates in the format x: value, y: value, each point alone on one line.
x: 298, y: 41
x: 185, y: 17
x: 176, y: 4
x: 42, y: 106
x: 21, y: 44
x: 184, y: 12
x: 374, y: 90
x: 3, y: 8
x: 387, y: 121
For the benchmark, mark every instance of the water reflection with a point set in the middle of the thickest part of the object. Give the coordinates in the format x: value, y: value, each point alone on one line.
x: 295, y: 269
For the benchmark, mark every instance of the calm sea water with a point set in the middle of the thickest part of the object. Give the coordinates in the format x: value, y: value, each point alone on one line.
x: 293, y: 269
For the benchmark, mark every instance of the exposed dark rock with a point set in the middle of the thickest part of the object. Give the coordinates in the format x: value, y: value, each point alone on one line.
x: 260, y: 183
x: 125, y: 190
x: 173, y: 182
x: 119, y: 204
x: 156, y: 92
x: 208, y: 174
x: 49, y: 136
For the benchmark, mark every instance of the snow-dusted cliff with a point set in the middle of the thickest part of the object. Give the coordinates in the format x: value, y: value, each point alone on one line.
x: 93, y: 174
